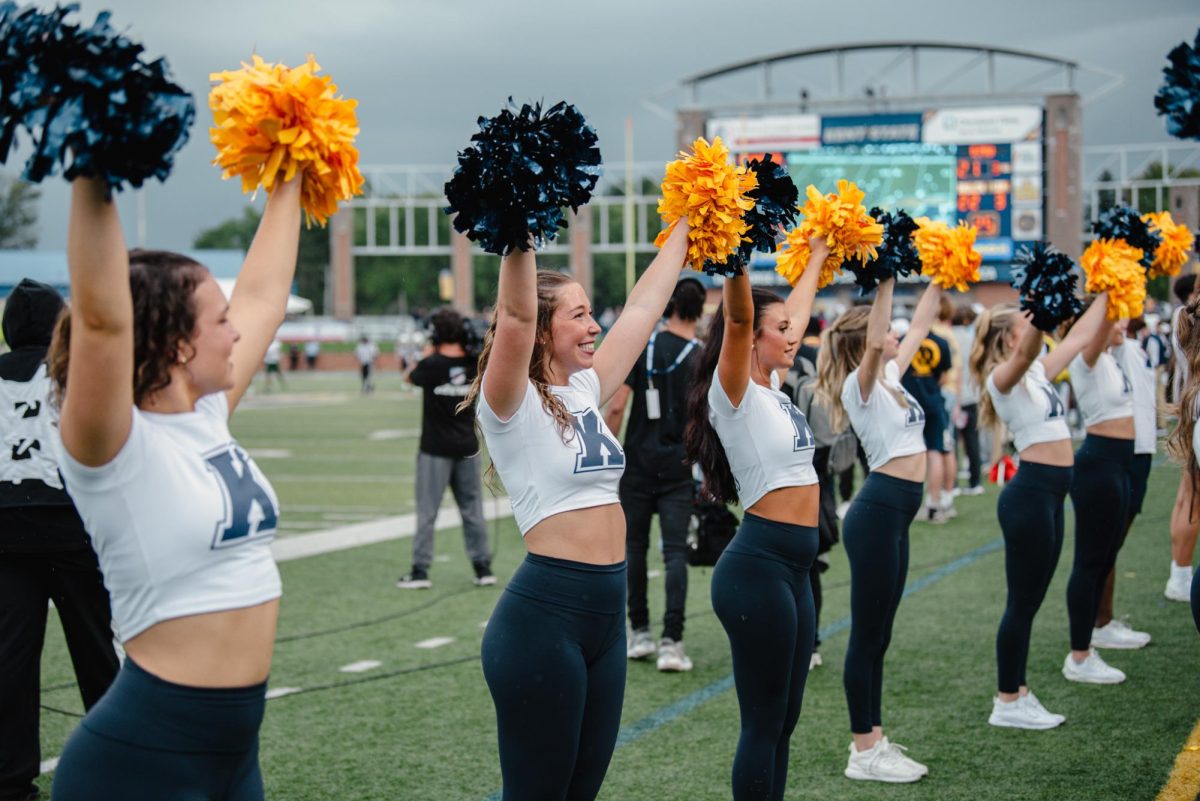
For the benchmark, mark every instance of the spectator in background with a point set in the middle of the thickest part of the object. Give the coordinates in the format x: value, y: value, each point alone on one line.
x: 271, y: 363
x: 45, y: 554
x: 293, y: 357
x: 312, y: 349
x: 966, y: 424
x: 951, y: 388
x: 366, y: 353
x: 923, y: 380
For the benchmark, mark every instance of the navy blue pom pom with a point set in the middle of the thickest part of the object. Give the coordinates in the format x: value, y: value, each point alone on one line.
x: 897, y: 255
x: 1122, y: 222
x: 1046, y: 279
x: 1179, y: 96
x: 511, y: 186
x: 90, y: 103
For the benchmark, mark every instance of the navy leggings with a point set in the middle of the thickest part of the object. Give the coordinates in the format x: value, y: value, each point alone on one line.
x: 150, y: 739
x: 762, y: 595
x: 1031, y: 516
x: 1100, y: 493
x: 554, y: 660
x: 875, y: 536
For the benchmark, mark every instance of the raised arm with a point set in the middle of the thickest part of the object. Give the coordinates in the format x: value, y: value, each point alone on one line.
x: 733, y: 364
x: 98, y: 406
x: 1089, y: 336
x: 918, y: 329
x: 259, y: 301
x: 507, y: 374
x: 1010, y: 371
x: 878, y: 323
x: 624, y: 342
x: 799, y: 302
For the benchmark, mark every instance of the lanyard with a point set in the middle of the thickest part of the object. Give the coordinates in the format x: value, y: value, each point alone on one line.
x: 650, y: 371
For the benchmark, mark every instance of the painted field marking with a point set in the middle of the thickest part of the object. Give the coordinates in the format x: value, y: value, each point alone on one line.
x: 362, y: 666
x: 1184, y: 782
x: 385, y: 434
x: 270, y: 453
x: 659, y: 718
x: 279, y: 692
x: 49, y: 765
x: 653, y: 574
x: 434, y: 642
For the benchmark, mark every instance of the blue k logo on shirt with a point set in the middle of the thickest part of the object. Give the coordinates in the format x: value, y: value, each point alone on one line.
x: 597, y: 448
x: 803, y: 438
x: 249, y: 511
x: 1056, y: 408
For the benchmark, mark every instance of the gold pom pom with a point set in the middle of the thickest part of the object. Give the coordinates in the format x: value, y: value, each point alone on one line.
x: 948, y: 255
x: 1176, y: 246
x: 842, y: 219
x: 710, y: 193
x: 272, y: 122
x: 1114, y: 266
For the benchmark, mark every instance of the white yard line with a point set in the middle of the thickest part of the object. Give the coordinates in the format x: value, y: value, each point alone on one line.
x: 434, y: 642
x: 361, y: 666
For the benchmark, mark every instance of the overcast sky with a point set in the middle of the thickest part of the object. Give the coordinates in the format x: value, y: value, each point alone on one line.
x: 423, y: 70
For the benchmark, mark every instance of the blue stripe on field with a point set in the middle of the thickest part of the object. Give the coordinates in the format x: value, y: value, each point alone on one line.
x: 658, y: 719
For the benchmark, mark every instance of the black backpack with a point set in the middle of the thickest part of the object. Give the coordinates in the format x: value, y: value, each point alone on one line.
x: 711, y: 528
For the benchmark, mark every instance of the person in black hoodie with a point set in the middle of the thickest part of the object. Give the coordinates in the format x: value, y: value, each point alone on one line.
x: 45, y: 554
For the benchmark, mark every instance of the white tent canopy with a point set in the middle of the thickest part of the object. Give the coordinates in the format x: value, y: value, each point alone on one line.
x: 295, y: 304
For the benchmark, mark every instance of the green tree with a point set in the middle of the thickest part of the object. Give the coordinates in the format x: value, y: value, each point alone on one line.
x: 18, y: 214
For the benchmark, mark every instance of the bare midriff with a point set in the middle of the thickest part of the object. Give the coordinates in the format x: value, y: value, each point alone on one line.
x: 594, y: 536
x: 1117, y: 428
x: 232, y: 648
x: 1057, y: 453
x: 909, y: 468
x: 799, y: 506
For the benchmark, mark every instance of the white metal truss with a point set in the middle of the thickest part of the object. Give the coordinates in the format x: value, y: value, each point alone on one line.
x: 1140, y: 176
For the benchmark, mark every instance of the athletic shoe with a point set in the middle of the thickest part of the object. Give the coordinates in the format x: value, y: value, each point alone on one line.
x: 418, y: 579
x: 815, y: 661
x: 1021, y: 714
x: 844, y: 507
x: 932, y: 514
x: 1117, y: 634
x: 898, y: 751
x: 1092, y: 670
x: 948, y: 511
x: 639, y: 644
x: 975, y: 490
x: 1033, y: 701
x: 671, y: 658
x: 1179, y: 585
x: 883, y: 763
x: 483, y: 574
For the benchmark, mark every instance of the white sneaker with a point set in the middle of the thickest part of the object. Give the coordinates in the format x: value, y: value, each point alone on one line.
x: 844, y: 507
x: 1032, y: 700
x: 975, y: 490
x: 639, y: 644
x: 671, y: 658
x: 948, y: 510
x: 815, y: 661
x: 1021, y: 714
x: 883, y: 762
x: 1092, y: 670
x: 1117, y: 634
x: 1179, y: 585
x: 898, y: 752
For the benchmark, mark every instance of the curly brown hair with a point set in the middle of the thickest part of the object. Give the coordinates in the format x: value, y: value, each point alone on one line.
x: 163, y: 285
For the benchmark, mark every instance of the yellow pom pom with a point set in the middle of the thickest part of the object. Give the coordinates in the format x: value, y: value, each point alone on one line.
x: 1176, y: 246
x: 272, y: 122
x: 842, y: 219
x: 948, y: 255
x: 1114, y: 266
x: 710, y: 193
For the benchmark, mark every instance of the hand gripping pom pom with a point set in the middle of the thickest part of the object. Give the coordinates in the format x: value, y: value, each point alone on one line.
x: 775, y: 200
x: 1179, y: 96
x: 510, y: 187
x: 713, y: 196
x: 1114, y: 266
x: 272, y: 122
x: 842, y: 220
x: 1045, y: 277
x: 1122, y: 222
x: 88, y: 100
x: 1175, y: 246
x: 897, y: 255
x: 948, y: 255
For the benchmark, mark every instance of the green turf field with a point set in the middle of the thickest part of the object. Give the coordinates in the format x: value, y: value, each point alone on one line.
x: 420, y: 725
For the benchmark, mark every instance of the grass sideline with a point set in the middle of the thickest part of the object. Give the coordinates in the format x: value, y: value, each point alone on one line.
x: 421, y: 725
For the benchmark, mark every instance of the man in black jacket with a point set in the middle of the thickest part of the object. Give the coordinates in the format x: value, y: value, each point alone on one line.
x: 45, y: 554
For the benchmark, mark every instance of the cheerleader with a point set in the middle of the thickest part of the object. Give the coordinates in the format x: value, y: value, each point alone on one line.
x: 1184, y: 442
x: 755, y: 447
x: 859, y: 369
x: 554, y: 650
x: 149, y: 365
x: 1006, y: 359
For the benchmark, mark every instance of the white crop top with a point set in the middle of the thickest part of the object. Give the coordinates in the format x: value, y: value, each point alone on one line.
x: 885, y: 428
x: 1103, y: 392
x: 181, y: 519
x: 544, y: 475
x: 1032, y: 410
x: 766, y: 439
x: 1136, y: 365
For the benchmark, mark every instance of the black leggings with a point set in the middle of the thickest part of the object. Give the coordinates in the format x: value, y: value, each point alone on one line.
x: 875, y: 536
x: 1031, y: 516
x: 554, y: 660
x: 762, y: 596
x: 149, y: 738
x: 1100, y: 490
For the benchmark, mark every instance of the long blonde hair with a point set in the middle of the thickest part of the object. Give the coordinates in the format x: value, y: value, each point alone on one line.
x: 841, y: 352
x: 990, y: 349
x: 1179, y: 443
